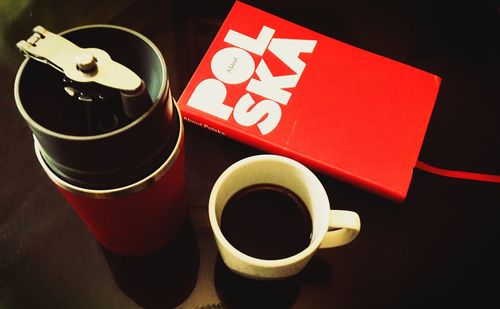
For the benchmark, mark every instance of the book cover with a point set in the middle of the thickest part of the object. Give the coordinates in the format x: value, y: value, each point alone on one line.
x: 340, y: 110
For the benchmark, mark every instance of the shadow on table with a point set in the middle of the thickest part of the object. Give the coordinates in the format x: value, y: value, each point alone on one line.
x: 236, y: 291
x: 163, y: 279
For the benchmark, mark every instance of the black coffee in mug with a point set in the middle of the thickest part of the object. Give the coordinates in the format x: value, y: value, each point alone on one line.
x: 267, y: 221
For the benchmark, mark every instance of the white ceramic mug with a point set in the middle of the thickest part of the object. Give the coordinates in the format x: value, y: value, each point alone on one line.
x: 330, y: 228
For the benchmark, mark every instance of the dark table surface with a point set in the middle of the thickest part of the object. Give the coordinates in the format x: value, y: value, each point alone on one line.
x: 437, y: 249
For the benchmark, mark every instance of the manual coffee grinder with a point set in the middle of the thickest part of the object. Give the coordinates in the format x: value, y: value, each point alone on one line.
x: 107, y: 132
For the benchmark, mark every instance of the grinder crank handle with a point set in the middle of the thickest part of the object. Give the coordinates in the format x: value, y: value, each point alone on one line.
x: 87, y: 65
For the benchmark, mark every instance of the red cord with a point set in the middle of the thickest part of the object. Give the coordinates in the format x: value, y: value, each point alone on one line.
x: 457, y: 174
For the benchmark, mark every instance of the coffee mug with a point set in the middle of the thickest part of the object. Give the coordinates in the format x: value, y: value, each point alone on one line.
x: 125, y: 178
x: 279, y: 179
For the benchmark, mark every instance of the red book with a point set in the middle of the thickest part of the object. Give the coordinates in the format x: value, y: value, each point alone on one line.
x: 340, y: 110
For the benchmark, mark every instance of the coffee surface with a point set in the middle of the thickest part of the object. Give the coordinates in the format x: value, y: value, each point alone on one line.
x: 267, y: 221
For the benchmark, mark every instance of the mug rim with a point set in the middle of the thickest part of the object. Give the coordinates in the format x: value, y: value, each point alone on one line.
x: 313, y: 181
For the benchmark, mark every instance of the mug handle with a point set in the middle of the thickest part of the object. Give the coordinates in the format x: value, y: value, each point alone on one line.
x: 343, y: 227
